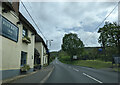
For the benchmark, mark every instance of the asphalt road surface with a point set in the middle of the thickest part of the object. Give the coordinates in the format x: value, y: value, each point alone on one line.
x: 64, y: 73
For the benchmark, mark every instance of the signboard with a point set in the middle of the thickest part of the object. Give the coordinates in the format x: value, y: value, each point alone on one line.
x: 9, y: 30
x: 100, y: 49
x: 117, y: 60
x: 74, y: 57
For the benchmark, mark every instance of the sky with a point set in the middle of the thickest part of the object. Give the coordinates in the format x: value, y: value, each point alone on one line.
x: 55, y: 19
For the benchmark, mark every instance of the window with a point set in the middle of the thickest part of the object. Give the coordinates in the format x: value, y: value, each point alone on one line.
x: 25, y: 32
x: 23, y: 58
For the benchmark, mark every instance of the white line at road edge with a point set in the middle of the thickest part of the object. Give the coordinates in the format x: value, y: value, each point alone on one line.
x: 92, y: 78
x: 44, y: 79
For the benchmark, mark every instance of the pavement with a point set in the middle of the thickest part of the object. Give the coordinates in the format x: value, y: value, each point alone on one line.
x: 39, y: 76
x: 65, y: 73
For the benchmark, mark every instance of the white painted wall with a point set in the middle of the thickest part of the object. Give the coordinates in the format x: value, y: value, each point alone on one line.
x: 11, y: 51
x: 41, y: 49
x: 0, y: 40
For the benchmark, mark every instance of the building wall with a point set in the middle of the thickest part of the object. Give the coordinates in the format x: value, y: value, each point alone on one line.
x: 11, y: 51
x: 41, y: 49
x: 44, y: 55
x: 0, y: 46
x: 38, y: 47
x: 29, y: 48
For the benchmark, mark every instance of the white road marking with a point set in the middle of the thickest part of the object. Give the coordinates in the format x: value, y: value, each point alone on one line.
x: 75, y: 69
x: 92, y: 78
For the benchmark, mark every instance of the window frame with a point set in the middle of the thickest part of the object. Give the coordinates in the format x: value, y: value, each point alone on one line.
x: 23, y: 60
x: 26, y: 32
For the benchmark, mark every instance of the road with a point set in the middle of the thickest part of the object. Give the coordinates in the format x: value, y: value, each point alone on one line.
x: 64, y: 73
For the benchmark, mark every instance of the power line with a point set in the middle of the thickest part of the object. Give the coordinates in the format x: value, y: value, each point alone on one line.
x: 104, y: 19
x: 107, y: 16
x: 33, y: 20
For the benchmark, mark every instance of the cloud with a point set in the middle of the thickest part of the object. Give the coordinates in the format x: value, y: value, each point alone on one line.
x: 58, y: 18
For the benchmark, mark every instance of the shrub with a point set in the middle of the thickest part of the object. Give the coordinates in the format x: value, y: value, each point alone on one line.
x: 45, y: 65
x: 25, y: 68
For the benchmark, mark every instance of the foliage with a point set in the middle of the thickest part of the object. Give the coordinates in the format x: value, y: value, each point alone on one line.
x: 93, y: 53
x: 72, y: 45
x: 91, y: 63
x: 45, y: 65
x: 37, y: 65
x: 26, y: 39
x: 110, y: 35
x: 25, y: 67
x: 53, y: 55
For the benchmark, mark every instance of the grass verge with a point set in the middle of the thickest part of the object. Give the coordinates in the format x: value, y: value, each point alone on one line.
x: 98, y: 64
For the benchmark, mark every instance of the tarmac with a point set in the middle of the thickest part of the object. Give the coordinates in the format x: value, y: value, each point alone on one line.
x: 39, y: 76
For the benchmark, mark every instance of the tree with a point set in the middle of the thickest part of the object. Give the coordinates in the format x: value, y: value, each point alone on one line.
x: 72, y: 45
x: 110, y: 35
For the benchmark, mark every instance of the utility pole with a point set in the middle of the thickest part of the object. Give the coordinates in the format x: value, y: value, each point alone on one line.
x: 48, y: 43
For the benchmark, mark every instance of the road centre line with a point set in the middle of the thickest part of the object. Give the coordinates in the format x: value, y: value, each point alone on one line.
x: 75, y: 69
x: 92, y: 78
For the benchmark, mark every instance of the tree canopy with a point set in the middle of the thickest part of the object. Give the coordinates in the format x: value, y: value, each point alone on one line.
x: 110, y: 35
x: 72, y: 44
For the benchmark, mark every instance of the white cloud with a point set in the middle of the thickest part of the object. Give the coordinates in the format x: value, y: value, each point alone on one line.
x: 55, y: 19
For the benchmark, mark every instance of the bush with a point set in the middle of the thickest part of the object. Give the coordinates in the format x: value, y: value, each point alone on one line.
x: 25, y: 68
x: 45, y: 65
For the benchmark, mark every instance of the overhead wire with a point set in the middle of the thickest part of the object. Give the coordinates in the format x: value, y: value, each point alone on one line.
x: 33, y: 20
x: 104, y: 20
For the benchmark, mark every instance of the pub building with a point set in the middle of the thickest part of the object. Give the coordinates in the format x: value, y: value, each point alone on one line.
x: 17, y: 40
x: 41, y: 47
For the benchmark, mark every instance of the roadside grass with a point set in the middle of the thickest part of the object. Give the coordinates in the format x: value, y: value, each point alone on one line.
x: 98, y: 64
x: 117, y: 69
x: 91, y: 63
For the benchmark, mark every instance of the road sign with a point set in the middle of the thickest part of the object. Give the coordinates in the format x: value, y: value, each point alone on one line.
x: 74, y: 57
x: 117, y: 60
x: 100, y: 49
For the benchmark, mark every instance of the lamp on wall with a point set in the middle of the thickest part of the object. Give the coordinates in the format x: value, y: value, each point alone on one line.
x: 32, y: 34
x: 18, y: 23
x: 4, y: 10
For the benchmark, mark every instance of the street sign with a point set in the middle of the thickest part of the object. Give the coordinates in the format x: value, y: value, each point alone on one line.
x: 100, y: 49
x: 74, y: 57
x: 9, y: 30
x: 117, y: 60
